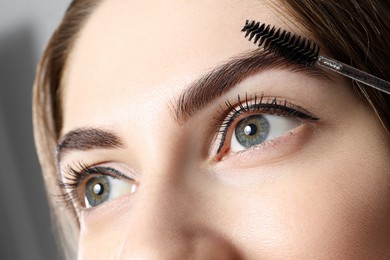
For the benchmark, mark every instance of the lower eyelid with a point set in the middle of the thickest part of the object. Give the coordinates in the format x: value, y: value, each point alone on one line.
x: 270, y: 151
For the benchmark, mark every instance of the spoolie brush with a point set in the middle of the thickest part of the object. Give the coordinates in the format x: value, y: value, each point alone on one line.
x: 304, y: 51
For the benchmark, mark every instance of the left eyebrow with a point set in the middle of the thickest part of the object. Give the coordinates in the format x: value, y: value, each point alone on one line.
x: 213, y: 84
x: 84, y: 139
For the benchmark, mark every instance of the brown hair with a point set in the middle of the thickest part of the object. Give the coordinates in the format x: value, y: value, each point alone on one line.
x: 354, y: 32
x: 47, y: 116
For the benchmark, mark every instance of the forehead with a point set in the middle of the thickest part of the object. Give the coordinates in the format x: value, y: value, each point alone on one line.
x: 131, y: 50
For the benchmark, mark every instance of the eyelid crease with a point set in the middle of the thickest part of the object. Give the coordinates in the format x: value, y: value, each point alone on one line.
x: 84, y: 170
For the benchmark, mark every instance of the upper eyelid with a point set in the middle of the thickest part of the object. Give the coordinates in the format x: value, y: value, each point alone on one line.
x: 75, y: 175
x: 111, y: 172
x: 256, y: 103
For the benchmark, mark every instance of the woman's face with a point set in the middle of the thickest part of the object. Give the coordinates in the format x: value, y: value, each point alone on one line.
x: 180, y: 148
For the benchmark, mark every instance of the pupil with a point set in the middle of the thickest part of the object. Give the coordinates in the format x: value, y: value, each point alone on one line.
x: 250, y: 129
x: 98, y: 189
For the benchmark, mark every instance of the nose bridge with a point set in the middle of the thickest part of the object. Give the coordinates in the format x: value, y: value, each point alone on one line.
x: 165, y: 224
x: 159, y: 223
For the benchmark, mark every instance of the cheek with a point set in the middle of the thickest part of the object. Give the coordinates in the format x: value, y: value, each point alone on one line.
x: 104, y: 231
x: 99, y: 242
x: 337, y: 207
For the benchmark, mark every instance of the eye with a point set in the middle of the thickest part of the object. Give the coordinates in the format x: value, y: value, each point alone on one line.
x: 90, y: 186
x: 100, y: 189
x: 257, y: 129
x: 254, y: 121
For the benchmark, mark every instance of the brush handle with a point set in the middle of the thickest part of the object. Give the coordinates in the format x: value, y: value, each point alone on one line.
x: 354, y: 74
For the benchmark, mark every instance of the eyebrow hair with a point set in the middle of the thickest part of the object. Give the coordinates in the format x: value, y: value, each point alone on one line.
x: 84, y: 139
x: 199, y: 94
x: 213, y: 84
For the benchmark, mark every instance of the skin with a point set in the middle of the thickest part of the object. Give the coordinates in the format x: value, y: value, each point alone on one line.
x: 321, y: 191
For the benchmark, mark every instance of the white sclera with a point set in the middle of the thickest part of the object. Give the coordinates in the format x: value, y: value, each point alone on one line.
x: 278, y: 125
x: 118, y: 188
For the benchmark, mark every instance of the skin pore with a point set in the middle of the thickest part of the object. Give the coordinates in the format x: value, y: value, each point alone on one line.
x: 319, y: 189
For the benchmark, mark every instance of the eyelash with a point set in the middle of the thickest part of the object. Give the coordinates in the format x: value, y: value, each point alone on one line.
x: 75, y: 176
x: 259, y: 104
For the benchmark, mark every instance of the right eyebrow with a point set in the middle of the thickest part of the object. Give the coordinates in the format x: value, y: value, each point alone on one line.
x: 83, y: 139
x: 221, y: 79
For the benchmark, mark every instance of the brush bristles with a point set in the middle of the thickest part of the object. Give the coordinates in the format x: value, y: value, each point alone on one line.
x: 295, y: 48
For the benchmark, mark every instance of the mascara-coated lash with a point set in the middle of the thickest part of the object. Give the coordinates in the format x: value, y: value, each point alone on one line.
x: 261, y: 105
x: 75, y: 177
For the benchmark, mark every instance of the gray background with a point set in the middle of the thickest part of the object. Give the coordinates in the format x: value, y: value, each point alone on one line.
x: 25, y: 231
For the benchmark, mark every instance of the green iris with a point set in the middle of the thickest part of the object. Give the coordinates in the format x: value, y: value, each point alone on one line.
x: 252, y: 130
x: 97, y: 190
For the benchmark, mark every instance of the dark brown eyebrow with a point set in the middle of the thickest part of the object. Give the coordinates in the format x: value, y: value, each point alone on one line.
x: 83, y: 139
x: 199, y: 94
x: 224, y: 77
